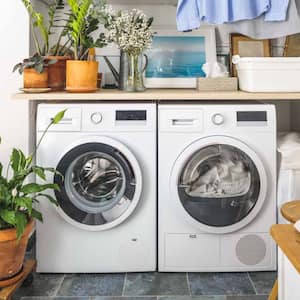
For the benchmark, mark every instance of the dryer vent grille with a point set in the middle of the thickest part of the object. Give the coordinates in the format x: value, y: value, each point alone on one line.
x: 251, y: 250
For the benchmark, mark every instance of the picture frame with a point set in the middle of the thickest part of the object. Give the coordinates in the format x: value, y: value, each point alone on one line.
x: 245, y: 46
x: 176, y: 58
x: 292, y: 46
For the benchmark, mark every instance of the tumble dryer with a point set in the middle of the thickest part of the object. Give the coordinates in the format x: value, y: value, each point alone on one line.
x: 217, y: 187
x: 106, y: 218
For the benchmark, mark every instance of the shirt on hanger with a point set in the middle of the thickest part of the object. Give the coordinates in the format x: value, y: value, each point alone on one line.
x: 191, y: 12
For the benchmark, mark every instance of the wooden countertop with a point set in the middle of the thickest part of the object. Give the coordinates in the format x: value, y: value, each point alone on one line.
x: 157, y: 95
x: 291, y: 211
x: 288, y: 239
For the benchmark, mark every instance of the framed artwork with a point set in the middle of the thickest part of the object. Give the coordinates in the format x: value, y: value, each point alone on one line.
x: 247, y: 47
x: 292, y: 46
x: 175, y: 59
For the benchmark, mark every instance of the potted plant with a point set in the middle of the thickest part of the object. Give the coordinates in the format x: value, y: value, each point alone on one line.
x: 17, y: 211
x: 58, y: 53
x: 82, y: 71
x: 35, y: 69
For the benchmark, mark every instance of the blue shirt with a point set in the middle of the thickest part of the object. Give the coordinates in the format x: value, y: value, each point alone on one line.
x: 191, y: 12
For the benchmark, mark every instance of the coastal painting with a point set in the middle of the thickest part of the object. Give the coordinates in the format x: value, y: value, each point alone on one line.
x: 176, y: 57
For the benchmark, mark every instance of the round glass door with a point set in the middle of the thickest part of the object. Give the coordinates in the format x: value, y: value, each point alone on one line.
x: 221, y: 186
x: 98, y: 186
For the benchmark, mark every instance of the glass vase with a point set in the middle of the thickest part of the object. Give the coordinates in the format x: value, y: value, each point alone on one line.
x: 137, y: 64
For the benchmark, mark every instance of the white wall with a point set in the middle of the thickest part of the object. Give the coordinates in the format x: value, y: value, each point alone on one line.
x: 14, y: 32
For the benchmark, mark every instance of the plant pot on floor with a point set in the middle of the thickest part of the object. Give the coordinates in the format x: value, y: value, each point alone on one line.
x: 34, y: 79
x: 57, y: 73
x: 81, y: 76
x: 12, y: 251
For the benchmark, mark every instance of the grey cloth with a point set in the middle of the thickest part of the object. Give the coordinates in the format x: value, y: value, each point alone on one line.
x: 260, y: 29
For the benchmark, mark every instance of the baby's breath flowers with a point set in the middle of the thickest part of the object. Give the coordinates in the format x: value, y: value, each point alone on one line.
x: 130, y: 30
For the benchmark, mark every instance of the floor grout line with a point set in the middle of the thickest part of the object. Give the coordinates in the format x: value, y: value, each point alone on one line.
x: 59, y: 285
x: 188, y: 284
x: 124, y: 284
x: 252, y: 283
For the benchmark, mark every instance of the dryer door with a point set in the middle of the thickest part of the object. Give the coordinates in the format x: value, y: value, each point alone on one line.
x: 220, y: 184
x: 101, y: 184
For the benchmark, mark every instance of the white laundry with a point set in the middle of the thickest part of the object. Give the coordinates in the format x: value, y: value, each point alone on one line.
x: 224, y: 179
x: 289, y: 149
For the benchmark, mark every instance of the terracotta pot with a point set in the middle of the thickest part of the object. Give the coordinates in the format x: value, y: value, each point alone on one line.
x: 33, y: 79
x: 57, y: 73
x: 12, y: 251
x: 81, y: 76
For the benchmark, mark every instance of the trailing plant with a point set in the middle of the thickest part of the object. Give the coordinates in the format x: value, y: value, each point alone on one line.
x: 84, y: 21
x: 17, y: 196
x: 42, y: 30
x: 37, y: 62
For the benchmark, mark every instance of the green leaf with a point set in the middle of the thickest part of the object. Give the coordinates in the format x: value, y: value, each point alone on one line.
x: 17, y: 160
x: 17, y: 66
x: 50, y: 198
x: 37, y: 215
x: 37, y: 188
x: 58, y: 117
x: 29, y: 160
x: 39, y: 171
x: 24, y: 202
x: 8, y: 216
x: 1, y: 168
x: 39, y: 67
x: 21, y: 222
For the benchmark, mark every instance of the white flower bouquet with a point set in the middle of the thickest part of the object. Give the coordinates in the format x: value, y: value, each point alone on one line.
x: 130, y: 30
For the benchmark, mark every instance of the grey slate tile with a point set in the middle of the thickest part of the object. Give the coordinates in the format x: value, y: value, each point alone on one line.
x: 263, y: 281
x: 92, y: 285
x: 124, y: 298
x: 156, y: 284
x: 37, y: 298
x: 55, y: 298
x: 43, y: 285
x: 193, y: 298
x: 253, y: 297
x: 220, y: 284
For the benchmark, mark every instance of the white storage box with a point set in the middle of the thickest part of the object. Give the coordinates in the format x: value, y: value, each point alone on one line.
x: 268, y: 74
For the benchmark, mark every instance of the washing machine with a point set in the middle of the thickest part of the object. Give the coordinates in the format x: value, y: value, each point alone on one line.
x: 106, y: 215
x: 216, y: 187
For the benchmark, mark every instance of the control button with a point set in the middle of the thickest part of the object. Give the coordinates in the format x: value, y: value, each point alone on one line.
x: 218, y: 119
x: 96, y: 117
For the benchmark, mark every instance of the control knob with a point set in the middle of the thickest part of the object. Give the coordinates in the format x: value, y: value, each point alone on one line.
x: 96, y: 117
x: 218, y: 119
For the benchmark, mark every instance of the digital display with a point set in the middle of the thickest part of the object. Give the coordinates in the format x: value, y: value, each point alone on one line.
x: 131, y: 115
x: 252, y: 116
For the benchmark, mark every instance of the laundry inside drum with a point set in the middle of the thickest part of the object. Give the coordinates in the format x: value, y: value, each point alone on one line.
x: 217, y: 171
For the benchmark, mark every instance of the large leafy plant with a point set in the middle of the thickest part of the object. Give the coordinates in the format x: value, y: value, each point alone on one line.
x: 17, y: 195
x: 84, y: 21
x: 41, y: 29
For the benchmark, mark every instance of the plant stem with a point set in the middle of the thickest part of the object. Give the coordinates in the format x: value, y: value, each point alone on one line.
x: 40, y: 140
x: 36, y: 42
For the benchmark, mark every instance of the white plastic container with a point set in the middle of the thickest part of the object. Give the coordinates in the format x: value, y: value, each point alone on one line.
x: 268, y: 74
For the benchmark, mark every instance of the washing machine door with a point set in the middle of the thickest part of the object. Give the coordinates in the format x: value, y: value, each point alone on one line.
x: 220, y: 183
x: 101, y: 183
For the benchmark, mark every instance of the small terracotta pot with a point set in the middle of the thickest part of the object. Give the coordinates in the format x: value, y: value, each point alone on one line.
x: 57, y: 73
x: 12, y: 251
x: 33, y: 79
x: 81, y: 76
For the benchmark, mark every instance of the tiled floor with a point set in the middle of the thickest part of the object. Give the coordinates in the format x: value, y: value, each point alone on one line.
x: 150, y: 286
